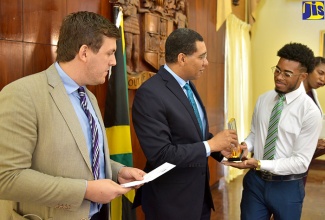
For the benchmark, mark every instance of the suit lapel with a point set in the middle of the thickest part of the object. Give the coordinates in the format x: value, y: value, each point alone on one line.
x: 62, y: 101
x: 175, y: 88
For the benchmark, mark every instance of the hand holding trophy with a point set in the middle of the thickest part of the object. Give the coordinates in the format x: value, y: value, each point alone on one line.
x: 237, y: 152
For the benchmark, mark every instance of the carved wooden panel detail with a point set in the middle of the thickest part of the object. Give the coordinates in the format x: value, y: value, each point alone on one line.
x: 146, y: 28
x: 157, y: 28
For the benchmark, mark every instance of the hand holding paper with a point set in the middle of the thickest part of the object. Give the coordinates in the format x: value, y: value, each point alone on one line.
x: 152, y: 175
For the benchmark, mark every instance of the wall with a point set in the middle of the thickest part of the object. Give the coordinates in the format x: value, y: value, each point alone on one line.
x: 29, y: 32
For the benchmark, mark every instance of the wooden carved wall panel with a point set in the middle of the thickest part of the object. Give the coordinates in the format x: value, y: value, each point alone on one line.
x: 147, y: 24
x: 157, y: 29
x: 181, y: 14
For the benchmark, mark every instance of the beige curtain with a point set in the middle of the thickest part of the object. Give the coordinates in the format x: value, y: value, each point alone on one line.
x: 251, y: 10
x: 223, y: 11
x: 237, y: 69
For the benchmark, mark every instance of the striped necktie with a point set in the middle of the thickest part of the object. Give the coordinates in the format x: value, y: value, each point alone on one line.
x: 94, y: 132
x: 190, y: 97
x: 272, y: 132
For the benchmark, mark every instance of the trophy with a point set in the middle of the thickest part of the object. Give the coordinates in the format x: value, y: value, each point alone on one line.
x: 237, y: 152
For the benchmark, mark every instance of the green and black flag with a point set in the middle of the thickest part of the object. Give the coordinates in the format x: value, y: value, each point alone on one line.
x: 117, y: 122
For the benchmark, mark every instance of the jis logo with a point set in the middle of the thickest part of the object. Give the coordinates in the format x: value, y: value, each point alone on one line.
x: 313, y: 10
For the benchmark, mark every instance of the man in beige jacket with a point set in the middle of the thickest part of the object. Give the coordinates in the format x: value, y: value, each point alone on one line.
x: 46, y: 144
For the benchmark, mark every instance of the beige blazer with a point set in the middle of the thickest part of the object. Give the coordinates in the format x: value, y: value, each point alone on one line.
x: 44, y: 161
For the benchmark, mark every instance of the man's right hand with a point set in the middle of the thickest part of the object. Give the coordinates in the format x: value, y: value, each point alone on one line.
x: 224, y: 141
x: 104, y: 190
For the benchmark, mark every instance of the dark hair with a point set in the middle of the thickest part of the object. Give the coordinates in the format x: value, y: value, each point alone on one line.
x: 300, y: 53
x: 83, y: 28
x: 181, y: 40
x: 319, y: 60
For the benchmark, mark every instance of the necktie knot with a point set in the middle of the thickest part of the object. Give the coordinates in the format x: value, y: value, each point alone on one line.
x: 187, y: 87
x: 83, y: 100
x: 81, y: 91
x: 282, y: 97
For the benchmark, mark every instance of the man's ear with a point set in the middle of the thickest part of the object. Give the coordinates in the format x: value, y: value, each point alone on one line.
x: 83, y: 52
x: 181, y: 58
x: 303, y: 76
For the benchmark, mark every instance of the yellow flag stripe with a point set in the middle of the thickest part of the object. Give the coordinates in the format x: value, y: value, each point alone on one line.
x: 130, y: 195
x: 116, y: 205
x: 119, y: 139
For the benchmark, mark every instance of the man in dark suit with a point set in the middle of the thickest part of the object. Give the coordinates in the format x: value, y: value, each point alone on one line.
x: 169, y: 131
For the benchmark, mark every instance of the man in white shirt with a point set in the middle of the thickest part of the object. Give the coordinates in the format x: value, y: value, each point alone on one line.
x: 274, y: 185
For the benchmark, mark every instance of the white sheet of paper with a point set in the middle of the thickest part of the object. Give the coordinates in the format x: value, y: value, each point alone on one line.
x: 164, y: 168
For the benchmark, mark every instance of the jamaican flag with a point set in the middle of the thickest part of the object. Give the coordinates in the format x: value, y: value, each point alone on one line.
x: 117, y: 122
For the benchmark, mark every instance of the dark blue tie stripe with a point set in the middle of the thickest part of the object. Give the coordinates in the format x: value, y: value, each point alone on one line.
x: 94, y: 132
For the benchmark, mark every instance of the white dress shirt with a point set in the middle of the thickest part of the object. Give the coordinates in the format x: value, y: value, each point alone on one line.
x: 316, y: 100
x: 298, y: 131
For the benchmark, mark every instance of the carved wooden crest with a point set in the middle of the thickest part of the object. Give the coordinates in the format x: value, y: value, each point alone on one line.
x: 146, y: 28
x: 157, y: 28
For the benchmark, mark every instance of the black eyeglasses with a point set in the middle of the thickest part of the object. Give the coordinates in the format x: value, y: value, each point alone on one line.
x: 276, y: 71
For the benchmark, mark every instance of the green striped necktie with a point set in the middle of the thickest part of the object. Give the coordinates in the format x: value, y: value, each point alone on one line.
x: 272, y: 132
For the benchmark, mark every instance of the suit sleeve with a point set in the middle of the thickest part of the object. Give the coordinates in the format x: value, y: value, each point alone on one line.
x: 115, y: 169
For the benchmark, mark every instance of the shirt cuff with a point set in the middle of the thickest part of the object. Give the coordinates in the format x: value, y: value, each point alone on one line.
x: 207, y: 148
x: 267, y: 165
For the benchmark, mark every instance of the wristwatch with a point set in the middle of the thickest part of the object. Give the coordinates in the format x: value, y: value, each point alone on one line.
x: 258, y: 165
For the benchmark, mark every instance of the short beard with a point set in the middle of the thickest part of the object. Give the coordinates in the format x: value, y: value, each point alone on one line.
x: 278, y: 91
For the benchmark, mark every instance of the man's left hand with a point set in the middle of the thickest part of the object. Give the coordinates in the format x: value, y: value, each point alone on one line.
x: 129, y: 174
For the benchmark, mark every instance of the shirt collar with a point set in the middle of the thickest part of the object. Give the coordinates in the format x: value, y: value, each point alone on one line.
x: 180, y: 81
x: 68, y: 83
x: 291, y: 96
